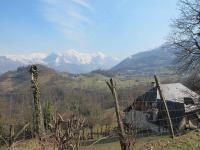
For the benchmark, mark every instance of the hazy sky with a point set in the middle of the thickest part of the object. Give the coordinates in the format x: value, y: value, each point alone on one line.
x: 115, y: 27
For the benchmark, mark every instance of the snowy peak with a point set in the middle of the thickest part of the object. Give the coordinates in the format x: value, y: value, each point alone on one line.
x: 29, y: 58
x: 70, y: 61
x: 78, y: 62
x: 76, y: 57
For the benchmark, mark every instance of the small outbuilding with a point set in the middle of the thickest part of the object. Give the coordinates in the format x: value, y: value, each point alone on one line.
x: 148, y: 112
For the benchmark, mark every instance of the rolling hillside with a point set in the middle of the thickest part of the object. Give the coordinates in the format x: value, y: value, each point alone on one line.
x: 159, y: 60
x: 60, y: 87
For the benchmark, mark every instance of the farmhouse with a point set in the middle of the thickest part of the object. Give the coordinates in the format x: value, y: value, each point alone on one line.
x: 148, y: 112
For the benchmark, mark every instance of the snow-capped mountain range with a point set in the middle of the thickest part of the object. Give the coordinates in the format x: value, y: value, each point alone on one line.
x: 69, y: 61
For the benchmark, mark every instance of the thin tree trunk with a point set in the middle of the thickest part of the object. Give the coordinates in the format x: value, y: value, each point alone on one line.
x: 38, y: 117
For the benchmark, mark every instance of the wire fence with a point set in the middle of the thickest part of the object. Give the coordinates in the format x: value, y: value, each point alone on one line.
x: 143, y: 120
x: 149, y: 117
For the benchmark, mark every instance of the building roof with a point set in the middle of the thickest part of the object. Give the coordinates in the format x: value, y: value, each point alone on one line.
x: 177, y: 92
x: 173, y: 92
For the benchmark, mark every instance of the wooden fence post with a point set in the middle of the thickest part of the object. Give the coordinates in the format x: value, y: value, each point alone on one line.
x: 11, y: 136
x: 38, y: 116
x: 124, y: 141
x: 83, y: 134
x: 165, y: 105
x: 101, y: 130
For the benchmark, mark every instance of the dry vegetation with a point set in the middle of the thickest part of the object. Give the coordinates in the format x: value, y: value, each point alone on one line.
x: 189, y: 141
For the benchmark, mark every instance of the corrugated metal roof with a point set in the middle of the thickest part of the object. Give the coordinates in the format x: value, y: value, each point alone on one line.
x: 173, y: 92
x: 177, y: 92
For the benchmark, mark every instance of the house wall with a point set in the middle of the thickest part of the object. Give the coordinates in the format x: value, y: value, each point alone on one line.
x: 142, y: 105
x: 140, y: 120
x: 148, y: 116
x: 176, y: 112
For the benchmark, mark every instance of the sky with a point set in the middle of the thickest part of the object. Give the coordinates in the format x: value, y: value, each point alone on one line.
x: 118, y: 28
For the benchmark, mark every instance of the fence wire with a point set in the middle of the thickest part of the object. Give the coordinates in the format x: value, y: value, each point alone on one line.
x: 17, y: 107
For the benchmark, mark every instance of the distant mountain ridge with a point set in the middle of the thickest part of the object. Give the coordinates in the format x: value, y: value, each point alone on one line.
x: 8, y: 64
x: 70, y: 61
x: 159, y: 60
x: 75, y: 62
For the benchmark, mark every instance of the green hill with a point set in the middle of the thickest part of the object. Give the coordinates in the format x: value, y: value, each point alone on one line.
x: 159, y: 60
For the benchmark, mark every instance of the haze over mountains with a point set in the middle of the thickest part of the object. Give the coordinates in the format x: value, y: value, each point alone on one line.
x: 69, y: 61
x: 159, y: 60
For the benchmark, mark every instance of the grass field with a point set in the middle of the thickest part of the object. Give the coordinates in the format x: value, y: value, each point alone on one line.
x: 189, y: 141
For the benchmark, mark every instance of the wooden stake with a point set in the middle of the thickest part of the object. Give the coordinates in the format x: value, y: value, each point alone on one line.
x: 11, y: 136
x: 124, y: 142
x: 21, y: 131
x: 165, y: 105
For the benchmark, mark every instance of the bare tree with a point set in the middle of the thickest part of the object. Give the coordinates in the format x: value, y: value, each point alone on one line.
x: 186, y: 35
x: 193, y: 82
x: 66, y: 133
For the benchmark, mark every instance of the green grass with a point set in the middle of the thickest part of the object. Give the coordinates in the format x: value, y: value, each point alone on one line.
x: 189, y: 141
x: 110, y: 146
x: 29, y: 145
x: 97, y: 81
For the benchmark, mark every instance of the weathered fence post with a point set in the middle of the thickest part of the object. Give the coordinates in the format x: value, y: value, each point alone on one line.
x: 83, y: 134
x: 124, y: 141
x: 11, y: 135
x: 101, y: 130
x: 91, y: 132
x: 165, y: 105
x: 98, y: 134
x: 38, y: 117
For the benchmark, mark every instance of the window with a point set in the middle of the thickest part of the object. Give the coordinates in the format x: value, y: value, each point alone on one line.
x: 188, y: 101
